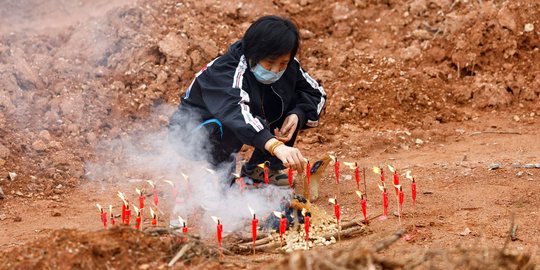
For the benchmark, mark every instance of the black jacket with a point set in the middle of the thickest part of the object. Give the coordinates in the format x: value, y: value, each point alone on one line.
x: 226, y: 89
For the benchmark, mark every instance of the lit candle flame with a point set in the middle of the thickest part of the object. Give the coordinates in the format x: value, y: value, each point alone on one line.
x: 376, y: 170
x: 216, y: 219
x: 381, y: 187
x: 185, y: 176
x: 181, y: 220
x: 332, y: 200
x: 408, y: 175
x: 398, y: 186
x: 351, y: 165
x: 277, y: 214
x: 136, y: 209
x: 99, y: 207
x: 262, y: 165
x: 121, y: 195
x: 138, y: 191
x: 251, y: 211
x: 210, y: 171
x: 235, y: 175
x: 151, y: 183
x: 333, y: 158
x: 152, y: 213
x: 391, y: 168
x: 304, y: 211
x: 110, y: 209
x: 359, y: 193
x: 169, y: 182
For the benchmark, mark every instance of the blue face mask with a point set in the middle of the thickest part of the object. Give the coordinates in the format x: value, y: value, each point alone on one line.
x: 265, y: 76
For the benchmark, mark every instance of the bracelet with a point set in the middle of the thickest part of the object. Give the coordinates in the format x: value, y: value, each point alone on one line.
x: 274, y: 146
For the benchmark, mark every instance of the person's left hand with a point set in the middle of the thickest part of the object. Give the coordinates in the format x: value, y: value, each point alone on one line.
x: 288, y: 128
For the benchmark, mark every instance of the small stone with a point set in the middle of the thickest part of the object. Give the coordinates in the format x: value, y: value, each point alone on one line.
x: 2, y: 195
x: 56, y: 214
x: 419, y: 141
x: 519, y: 174
x: 327, y: 243
x: 19, y: 193
x: 39, y: 145
x: 516, y: 118
x: 144, y: 266
x: 17, y: 219
x: 465, y: 232
x: 494, y: 166
x: 3, y: 217
x: 12, y: 176
x: 289, y: 250
x: 529, y: 27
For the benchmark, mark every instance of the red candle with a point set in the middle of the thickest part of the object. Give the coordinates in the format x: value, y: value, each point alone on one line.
x: 104, y: 219
x: 336, y: 170
x: 306, y: 225
x: 219, y: 236
x: 401, y: 199
x: 123, y: 216
x: 290, y: 174
x: 396, y: 182
x: 138, y: 221
x: 113, y: 222
x: 337, y: 211
x: 413, y: 188
x: 385, y: 201
x: 266, y: 171
x: 357, y: 176
x: 184, y: 228
x: 254, y: 223
x: 282, y: 227
x: 363, y: 203
x: 128, y: 215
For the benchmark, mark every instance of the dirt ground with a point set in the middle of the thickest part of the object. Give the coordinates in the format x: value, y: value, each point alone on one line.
x: 447, y: 89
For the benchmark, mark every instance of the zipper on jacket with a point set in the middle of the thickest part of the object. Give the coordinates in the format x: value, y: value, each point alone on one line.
x: 282, y: 105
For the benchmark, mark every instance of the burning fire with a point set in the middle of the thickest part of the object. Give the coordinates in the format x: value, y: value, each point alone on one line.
x: 169, y: 182
x: 278, y: 214
x: 182, y: 221
x: 391, y: 168
x: 332, y: 200
x: 377, y: 170
x: 216, y: 219
x: 123, y: 198
x: 408, y: 175
x: 351, y: 165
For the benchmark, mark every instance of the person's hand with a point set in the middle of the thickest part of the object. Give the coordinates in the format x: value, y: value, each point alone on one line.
x: 291, y: 157
x: 288, y: 128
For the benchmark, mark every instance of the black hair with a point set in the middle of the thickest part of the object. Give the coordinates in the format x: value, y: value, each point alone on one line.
x: 270, y: 37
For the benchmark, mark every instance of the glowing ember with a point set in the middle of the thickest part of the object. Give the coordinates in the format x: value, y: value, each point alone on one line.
x: 391, y: 168
x: 377, y: 170
x: 351, y: 165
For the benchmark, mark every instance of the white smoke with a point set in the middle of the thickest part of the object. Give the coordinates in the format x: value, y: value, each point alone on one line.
x: 205, y: 193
